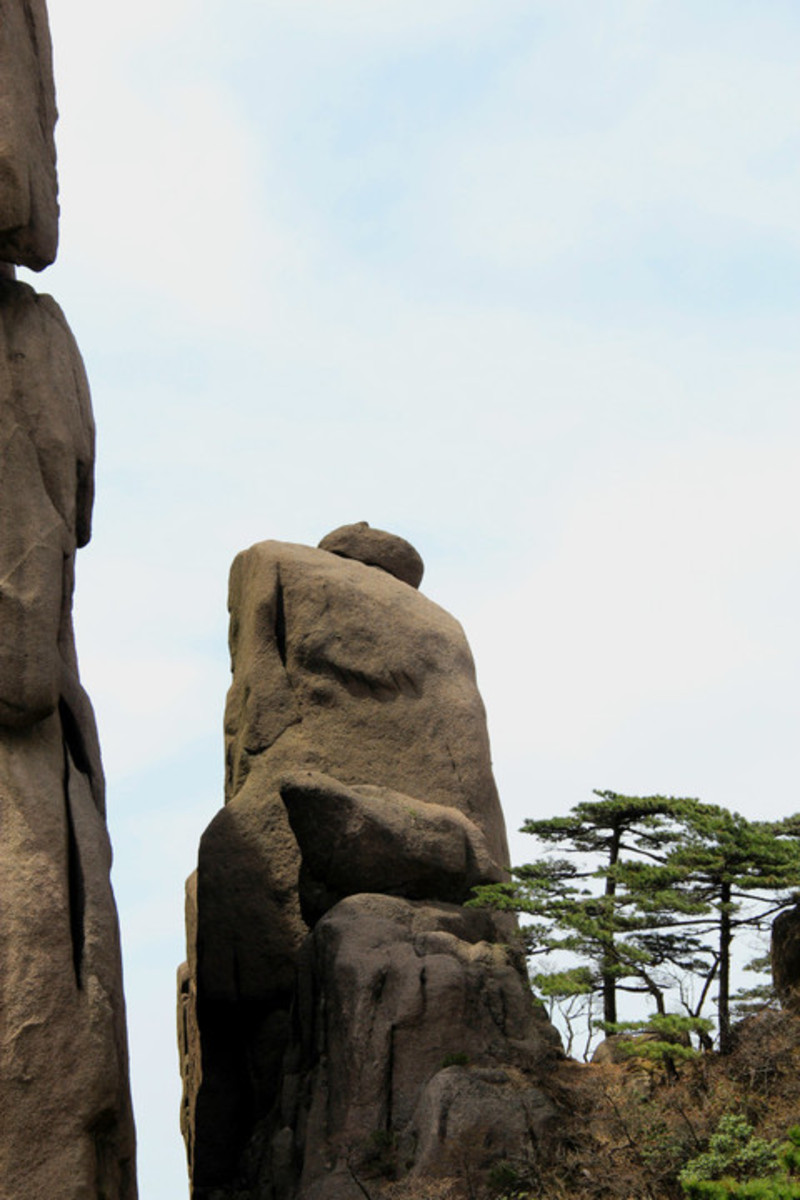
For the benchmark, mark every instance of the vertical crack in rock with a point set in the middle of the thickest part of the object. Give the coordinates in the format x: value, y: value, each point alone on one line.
x: 74, y: 741
x: 454, y: 765
x: 390, y: 1080
x: 30, y: 22
x: 280, y: 621
x: 76, y: 892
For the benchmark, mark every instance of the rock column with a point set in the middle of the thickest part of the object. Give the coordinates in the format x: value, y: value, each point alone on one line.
x: 66, y: 1129
x: 347, y: 1026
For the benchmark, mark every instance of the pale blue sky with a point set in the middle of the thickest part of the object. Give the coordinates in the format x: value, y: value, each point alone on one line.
x: 517, y: 279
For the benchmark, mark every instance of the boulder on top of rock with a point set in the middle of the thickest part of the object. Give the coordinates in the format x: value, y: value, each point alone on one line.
x: 28, y: 183
x: 376, y: 548
x: 367, y: 838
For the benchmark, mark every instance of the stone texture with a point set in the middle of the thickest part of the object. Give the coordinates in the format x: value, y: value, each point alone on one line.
x: 354, y: 703
x: 395, y: 991
x: 337, y: 667
x: 189, y: 1048
x: 28, y: 185
x: 67, y: 1131
x: 373, y: 839
x: 785, y: 955
x: 376, y: 548
x: 46, y: 473
x: 470, y: 1118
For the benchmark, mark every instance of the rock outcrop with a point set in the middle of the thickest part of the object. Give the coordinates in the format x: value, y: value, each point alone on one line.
x: 28, y: 187
x: 785, y: 957
x: 66, y: 1130
x: 337, y: 998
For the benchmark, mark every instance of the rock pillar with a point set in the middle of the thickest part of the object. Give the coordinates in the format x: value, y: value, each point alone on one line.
x: 338, y: 1001
x: 66, y: 1130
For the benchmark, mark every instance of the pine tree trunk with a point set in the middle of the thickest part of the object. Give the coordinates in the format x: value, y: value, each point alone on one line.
x: 609, y: 995
x: 723, y: 1001
x: 609, y: 960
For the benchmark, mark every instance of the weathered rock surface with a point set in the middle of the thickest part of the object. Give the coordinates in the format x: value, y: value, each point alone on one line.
x: 66, y: 1130
x: 28, y: 185
x: 354, y: 706
x: 46, y: 474
x: 372, y: 839
x: 785, y: 956
x: 469, y: 1119
x: 391, y: 993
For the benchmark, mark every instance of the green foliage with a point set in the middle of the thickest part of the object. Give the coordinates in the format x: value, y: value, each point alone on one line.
x: 379, y: 1154
x: 668, y: 1039
x: 505, y: 1177
x: 738, y: 1164
x: 572, y: 981
x: 589, y: 911
x: 734, y: 1151
x: 669, y: 883
x: 456, y: 1058
x: 774, y: 1188
x: 730, y: 874
x: 790, y: 1151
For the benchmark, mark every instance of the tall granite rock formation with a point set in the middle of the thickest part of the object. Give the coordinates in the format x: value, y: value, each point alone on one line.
x: 342, y: 1016
x: 66, y: 1130
x: 28, y: 188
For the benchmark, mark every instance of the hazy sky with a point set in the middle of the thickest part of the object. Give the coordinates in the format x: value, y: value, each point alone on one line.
x: 516, y: 279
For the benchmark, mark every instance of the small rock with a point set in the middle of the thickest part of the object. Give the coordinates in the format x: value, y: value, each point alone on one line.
x: 377, y: 549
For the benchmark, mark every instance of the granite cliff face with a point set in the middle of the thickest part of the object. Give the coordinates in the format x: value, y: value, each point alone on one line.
x: 337, y: 997
x: 66, y: 1130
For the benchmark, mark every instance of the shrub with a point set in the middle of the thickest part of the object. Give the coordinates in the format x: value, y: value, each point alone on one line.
x: 456, y: 1058
x: 740, y: 1165
x: 379, y: 1154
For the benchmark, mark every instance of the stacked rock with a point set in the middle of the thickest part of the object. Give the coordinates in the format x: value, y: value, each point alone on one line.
x: 344, y: 1021
x: 66, y: 1129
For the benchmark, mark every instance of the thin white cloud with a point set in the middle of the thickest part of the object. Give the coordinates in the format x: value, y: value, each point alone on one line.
x: 583, y: 147
x: 656, y: 593
x: 391, y: 21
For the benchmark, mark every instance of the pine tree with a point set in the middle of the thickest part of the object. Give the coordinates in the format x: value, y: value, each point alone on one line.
x: 724, y: 875
x: 602, y: 923
x: 668, y: 884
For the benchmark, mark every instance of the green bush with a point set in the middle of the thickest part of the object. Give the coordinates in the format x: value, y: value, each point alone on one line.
x: 738, y: 1165
x: 379, y: 1154
x: 774, y: 1188
x: 456, y: 1058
